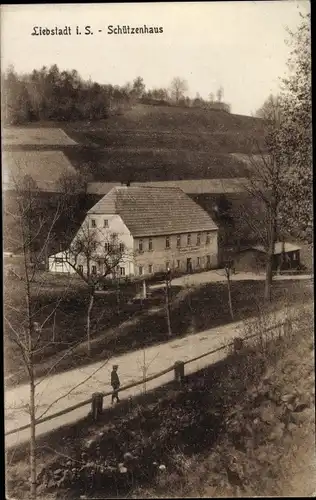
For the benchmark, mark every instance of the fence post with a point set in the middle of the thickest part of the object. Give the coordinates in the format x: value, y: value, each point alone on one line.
x: 287, y: 326
x: 179, y: 371
x: 238, y: 344
x: 96, y: 405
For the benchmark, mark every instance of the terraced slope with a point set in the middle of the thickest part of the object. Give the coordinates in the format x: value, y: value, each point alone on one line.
x: 157, y: 143
x: 147, y: 143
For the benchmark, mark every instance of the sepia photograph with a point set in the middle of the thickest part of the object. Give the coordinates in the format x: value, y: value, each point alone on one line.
x: 157, y: 186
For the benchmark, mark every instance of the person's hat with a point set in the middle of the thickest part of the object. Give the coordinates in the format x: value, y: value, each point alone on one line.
x: 115, y: 366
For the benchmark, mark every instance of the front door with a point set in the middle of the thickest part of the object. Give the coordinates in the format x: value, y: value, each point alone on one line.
x: 208, y: 261
x: 189, y: 265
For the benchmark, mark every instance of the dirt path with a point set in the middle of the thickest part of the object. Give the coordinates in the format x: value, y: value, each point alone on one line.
x: 219, y: 276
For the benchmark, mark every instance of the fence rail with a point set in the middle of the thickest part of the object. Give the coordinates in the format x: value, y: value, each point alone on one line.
x: 147, y: 379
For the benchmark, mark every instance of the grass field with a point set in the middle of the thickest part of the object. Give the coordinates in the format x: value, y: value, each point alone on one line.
x: 36, y: 136
x: 151, y: 143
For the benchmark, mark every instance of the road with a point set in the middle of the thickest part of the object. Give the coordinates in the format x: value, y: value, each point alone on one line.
x: 76, y: 385
x: 218, y: 275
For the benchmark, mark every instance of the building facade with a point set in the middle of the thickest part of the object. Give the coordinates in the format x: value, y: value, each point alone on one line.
x: 154, y: 229
x: 184, y: 252
x: 286, y: 257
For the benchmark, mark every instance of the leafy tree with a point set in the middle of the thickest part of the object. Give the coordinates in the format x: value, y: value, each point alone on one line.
x: 139, y: 87
x: 295, y: 136
x: 178, y: 88
x: 51, y: 94
x: 160, y: 94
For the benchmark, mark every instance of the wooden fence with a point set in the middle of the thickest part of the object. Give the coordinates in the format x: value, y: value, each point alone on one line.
x: 177, y: 367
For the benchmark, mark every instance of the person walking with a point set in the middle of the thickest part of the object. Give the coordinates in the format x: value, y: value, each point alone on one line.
x: 115, y: 383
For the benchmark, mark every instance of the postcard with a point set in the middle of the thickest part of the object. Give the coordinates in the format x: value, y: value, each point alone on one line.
x: 157, y: 250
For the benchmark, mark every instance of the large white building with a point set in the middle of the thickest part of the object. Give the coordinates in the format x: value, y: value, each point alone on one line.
x: 155, y: 227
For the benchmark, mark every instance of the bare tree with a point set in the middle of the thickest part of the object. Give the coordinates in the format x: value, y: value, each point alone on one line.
x: 95, y: 256
x: 264, y: 169
x: 28, y: 322
x: 178, y: 88
x: 270, y: 110
x: 220, y: 94
x: 33, y: 235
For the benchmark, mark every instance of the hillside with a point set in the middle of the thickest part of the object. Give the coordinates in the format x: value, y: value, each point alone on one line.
x: 155, y: 143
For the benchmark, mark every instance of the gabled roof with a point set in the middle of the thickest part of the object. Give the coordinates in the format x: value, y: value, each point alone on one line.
x: 288, y: 247
x: 151, y: 211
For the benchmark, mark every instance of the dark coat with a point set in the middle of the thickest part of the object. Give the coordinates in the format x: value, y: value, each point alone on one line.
x: 115, y: 381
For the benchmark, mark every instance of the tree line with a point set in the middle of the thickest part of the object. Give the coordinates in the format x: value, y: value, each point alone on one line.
x: 50, y: 94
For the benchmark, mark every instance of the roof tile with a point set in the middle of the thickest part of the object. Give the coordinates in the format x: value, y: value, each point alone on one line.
x: 150, y: 211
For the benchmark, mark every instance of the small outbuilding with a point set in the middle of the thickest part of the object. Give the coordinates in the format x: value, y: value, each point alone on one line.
x: 286, y: 257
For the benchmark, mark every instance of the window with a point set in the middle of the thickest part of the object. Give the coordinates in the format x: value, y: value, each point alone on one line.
x: 122, y: 247
x: 108, y: 247
x: 93, y: 246
x: 208, y: 238
x: 105, y: 223
x: 189, y: 239
x: 93, y: 224
x: 167, y: 241
x: 150, y: 244
x: 122, y: 271
x: 150, y: 268
x: 178, y: 264
x: 59, y: 260
x: 208, y: 260
x: 140, y: 245
x: 178, y: 241
x: 94, y: 269
x: 198, y: 261
x: 167, y: 266
x: 198, y: 239
x: 140, y: 270
x: 80, y: 269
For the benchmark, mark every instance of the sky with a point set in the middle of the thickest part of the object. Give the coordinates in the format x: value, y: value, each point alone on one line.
x: 237, y: 45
